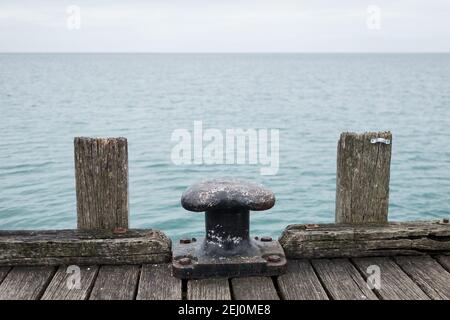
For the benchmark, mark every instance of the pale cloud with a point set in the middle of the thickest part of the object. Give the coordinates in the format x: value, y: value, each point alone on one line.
x: 15, y: 14
x: 212, y: 25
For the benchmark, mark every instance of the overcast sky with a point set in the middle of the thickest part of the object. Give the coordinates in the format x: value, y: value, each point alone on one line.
x: 225, y: 26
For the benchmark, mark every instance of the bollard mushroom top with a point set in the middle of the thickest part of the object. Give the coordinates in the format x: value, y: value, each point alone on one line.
x: 227, y: 194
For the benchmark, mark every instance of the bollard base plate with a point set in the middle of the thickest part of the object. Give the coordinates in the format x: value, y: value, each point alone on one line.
x: 265, y: 258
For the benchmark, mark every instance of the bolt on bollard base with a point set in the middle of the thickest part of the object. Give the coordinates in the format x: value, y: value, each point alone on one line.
x: 261, y: 259
x: 227, y: 250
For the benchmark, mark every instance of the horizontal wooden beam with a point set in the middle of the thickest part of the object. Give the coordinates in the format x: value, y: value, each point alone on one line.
x: 338, y: 240
x: 55, y: 247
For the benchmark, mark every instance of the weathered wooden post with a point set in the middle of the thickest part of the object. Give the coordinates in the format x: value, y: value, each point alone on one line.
x: 101, y: 173
x: 362, y: 198
x: 362, y: 181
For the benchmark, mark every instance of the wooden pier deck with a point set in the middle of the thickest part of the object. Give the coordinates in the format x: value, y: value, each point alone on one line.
x: 403, y: 278
x: 324, y: 261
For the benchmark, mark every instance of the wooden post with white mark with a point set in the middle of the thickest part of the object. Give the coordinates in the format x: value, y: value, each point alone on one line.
x: 362, y: 178
x: 101, y: 174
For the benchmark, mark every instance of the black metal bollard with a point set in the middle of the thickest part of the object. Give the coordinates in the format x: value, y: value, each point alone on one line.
x: 227, y: 230
x: 227, y: 249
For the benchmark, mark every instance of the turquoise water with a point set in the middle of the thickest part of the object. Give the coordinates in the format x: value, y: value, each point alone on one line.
x: 47, y: 99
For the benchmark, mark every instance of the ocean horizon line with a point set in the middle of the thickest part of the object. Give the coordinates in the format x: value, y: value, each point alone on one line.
x: 228, y: 52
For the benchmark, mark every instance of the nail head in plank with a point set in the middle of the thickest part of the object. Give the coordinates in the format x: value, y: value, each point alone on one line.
x: 157, y: 283
x: 341, y: 280
x: 300, y: 282
x: 116, y: 283
x: 208, y: 289
x: 60, y: 286
x: 429, y: 275
x: 394, y: 283
x: 25, y: 283
x: 254, y: 288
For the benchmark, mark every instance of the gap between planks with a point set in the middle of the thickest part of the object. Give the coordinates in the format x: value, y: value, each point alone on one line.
x: 429, y: 274
x: 60, y: 286
x: 394, y: 283
x: 26, y: 283
x: 300, y: 282
x: 3, y: 273
x: 341, y: 280
x: 312, y: 278
x: 253, y: 288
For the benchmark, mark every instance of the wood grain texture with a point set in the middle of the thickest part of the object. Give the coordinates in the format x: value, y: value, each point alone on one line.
x: 118, y: 282
x: 25, y: 283
x: 341, y: 280
x: 444, y: 261
x: 56, y: 247
x: 428, y: 274
x: 157, y: 283
x: 338, y: 240
x: 208, y: 289
x: 254, y: 288
x: 101, y: 174
x: 3, y: 272
x: 394, y: 283
x: 300, y: 282
x: 60, y: 287
x: 362, y: 179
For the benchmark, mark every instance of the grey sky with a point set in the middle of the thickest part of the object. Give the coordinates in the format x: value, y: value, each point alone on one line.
x: 225, y: 26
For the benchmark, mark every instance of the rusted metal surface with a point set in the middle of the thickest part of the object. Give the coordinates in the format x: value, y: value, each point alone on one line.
x: 191, y: 262
x: 227, y: 249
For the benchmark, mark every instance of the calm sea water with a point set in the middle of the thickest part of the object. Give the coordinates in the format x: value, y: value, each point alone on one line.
x: 47, y: 99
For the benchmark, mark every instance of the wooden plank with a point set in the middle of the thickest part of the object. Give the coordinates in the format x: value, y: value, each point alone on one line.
x: 62, y: 288
x: 341, y: 280
x: 444, y: 261
x: 337, y: 240
x: 428, y: 274
x: 394, y: 283
x: 116, y: 283
x: 362, y: 179
x: 67, y: 247
x: 157, y: 283
x: 208, y: 289
x: 101, y: 174
x: 254, y: 288
x: 3, y: 272
x: 300, y: 282
x: 25, y: 283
